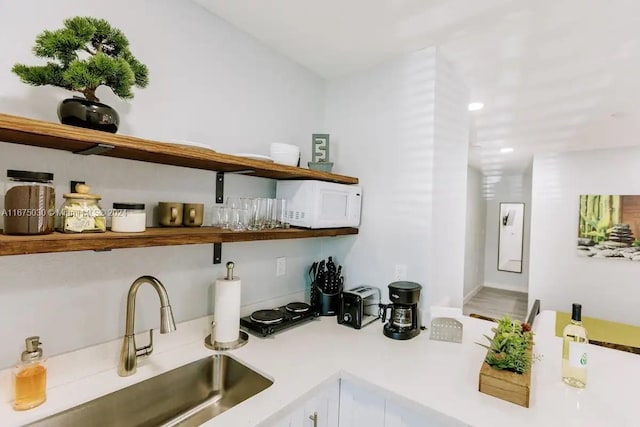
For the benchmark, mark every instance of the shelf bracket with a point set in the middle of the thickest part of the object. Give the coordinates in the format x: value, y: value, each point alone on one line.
x: 217, y: 253
x: 219, y: 187
x: 244, y: 172
x: 217, y: 247
x: 96, y: 149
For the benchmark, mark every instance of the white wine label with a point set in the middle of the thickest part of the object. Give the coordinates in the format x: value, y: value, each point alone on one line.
x: 577, y: 355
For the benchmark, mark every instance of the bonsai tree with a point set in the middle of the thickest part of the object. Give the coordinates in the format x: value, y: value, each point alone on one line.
x: 85, y: 54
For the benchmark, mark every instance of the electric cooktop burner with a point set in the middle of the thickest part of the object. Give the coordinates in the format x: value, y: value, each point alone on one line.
x: 267, y: 317
x: 298, y: 307
x: 267, y: 322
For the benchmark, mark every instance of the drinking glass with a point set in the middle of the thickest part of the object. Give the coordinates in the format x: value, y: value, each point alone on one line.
x: 215, y: 216
x: 256, y: 214
x: 239, y: 219
x: 270, y: 214
x: 245, y: 203
x: 280, y: 209
x: 238, y: 202
x: 233, y: 202
x: 221, y: 216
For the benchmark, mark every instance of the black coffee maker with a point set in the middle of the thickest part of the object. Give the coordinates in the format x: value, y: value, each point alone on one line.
x: 404, y: 320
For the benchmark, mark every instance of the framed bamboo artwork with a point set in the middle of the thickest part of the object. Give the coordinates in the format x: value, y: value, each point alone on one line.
x: 609, y: 226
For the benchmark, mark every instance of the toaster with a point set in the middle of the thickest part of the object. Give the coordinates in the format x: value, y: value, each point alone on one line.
x: 359, y: 306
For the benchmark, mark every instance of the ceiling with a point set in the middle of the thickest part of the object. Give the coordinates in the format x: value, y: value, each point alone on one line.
x: 554, y: 75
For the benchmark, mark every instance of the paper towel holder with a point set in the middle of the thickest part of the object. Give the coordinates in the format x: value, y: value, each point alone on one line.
x: 243, y: 337
x: 231, y: 345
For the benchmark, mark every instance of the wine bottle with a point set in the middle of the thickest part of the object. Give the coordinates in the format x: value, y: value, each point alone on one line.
x: 574, y: 350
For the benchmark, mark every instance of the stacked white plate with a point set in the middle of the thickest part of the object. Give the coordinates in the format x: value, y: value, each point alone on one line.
x: 285, y: 154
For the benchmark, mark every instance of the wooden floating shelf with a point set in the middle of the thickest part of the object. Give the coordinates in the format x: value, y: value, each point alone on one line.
x: 24, y: 131
x: 62, y: 242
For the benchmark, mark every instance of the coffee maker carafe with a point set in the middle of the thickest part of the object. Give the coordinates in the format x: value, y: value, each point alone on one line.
x: 404, y: 319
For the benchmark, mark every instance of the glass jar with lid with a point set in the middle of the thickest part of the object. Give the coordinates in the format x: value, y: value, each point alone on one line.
x: 29, y: 203
x: 81, y: 212
x: 128, y: 218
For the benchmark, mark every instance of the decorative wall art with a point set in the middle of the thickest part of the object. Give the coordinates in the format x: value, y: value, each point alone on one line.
x: 320, y: 153
x: 609, y: 226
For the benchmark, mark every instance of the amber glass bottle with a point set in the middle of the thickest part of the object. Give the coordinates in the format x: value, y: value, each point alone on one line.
x: 30, y: 377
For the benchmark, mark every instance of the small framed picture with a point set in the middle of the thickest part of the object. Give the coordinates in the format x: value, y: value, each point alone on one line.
x: 320, y: 147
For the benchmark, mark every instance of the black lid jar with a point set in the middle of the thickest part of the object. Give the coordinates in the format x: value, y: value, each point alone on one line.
x: 29, y: 203
x: 128, y: 218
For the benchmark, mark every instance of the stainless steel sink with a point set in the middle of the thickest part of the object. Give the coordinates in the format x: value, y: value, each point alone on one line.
x: 185, y: 396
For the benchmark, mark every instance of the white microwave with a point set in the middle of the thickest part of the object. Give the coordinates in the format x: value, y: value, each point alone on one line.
x: 319, y: 204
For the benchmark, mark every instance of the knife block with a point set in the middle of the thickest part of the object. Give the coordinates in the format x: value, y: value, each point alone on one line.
x: 325, y: 304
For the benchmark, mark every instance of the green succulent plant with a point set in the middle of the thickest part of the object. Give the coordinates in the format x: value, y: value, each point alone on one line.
x: 85, y: 54
x: 509, y: 347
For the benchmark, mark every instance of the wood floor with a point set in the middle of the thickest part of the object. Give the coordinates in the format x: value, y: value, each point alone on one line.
x: 495, y: 303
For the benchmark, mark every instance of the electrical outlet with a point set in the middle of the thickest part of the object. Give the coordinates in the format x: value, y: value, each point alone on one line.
x: 281, y: 266
x: 400, y: 272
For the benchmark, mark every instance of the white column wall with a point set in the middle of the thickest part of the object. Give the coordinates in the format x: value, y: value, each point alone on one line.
x: 475, y: 239
x: 389, y: 126
x: 450, y: 186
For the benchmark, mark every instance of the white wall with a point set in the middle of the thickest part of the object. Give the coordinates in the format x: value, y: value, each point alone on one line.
x: 510, y: 188
x: 449, y: 186
x: 385, y: 129
x: 606, y: 288
x: 475, y: 234
x: 209, y: 83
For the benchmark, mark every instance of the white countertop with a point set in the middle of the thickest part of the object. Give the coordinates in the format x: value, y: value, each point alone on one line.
x: 439, y: 375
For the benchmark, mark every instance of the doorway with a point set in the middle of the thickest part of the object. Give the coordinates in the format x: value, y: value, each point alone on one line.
x: 497, y: 244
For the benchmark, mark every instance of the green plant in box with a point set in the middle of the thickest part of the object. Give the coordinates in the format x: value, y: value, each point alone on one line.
x: 508, y: 348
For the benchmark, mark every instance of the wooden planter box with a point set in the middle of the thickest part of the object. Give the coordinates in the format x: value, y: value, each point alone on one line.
x: 506, y: 385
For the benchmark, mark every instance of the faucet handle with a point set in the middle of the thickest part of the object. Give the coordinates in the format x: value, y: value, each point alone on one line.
x: 147, y: 349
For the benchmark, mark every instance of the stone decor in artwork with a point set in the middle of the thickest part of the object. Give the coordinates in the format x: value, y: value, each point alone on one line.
x: 609, y: 226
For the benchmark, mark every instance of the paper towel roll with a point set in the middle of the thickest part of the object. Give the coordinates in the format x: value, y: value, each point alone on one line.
x: 226, y: 312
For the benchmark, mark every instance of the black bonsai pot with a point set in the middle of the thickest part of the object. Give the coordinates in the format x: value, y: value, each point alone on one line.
x: 83, y: 113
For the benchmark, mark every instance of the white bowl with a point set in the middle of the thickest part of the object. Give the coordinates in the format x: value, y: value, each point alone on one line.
x: 284, y: 148
x: 290, y: 159
x: 285, y: 154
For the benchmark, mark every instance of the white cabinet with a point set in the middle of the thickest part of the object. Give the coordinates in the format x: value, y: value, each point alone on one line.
x: 345, y: 404
x: 320, y: 410
x: 364, y: 406
x: 359, y: 407
x: 398, y: 415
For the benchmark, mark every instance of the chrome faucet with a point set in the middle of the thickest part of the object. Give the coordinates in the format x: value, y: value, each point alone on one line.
x: 129, y: 354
